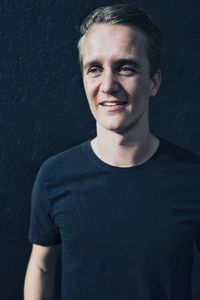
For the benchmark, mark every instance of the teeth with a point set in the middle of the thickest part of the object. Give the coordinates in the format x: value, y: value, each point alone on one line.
x: 112, y: 103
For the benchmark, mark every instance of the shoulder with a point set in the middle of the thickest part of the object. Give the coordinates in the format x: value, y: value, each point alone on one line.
x: 177, y: 152
x: 62, y: 162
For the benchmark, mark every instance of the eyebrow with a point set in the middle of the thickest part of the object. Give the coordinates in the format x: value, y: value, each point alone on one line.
x: 128, y: 61
x: 91, y: 63
x: 118, y: 62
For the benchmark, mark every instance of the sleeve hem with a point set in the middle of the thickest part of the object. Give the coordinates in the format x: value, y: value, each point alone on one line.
x: 43, y: 243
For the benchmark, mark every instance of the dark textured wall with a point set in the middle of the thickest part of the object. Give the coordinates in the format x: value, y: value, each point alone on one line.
x: 43, y: 109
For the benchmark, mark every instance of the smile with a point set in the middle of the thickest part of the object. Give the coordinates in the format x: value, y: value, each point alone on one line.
x: 114, y: 106
x: 113, y: 103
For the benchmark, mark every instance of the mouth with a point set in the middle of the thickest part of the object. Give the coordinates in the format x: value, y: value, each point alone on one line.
x: 113, y: 103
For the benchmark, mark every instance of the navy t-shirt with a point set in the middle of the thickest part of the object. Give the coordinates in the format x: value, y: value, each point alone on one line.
x: 126, y: 233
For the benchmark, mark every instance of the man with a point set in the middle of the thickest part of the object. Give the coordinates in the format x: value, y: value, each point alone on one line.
x: 124, y: 207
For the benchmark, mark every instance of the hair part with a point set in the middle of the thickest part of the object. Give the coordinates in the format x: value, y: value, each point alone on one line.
x: 126, y: 14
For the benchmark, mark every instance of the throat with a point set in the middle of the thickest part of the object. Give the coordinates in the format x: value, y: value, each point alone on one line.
x: 125, y: 156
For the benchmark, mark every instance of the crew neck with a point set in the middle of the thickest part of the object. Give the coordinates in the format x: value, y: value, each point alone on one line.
x: 92, y: 155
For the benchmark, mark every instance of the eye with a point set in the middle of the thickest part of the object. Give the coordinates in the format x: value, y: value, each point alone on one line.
x: 94, y: 71
x: 127, y: 70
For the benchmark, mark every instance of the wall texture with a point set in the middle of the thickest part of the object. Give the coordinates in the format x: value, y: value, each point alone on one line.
x: 43, y: 109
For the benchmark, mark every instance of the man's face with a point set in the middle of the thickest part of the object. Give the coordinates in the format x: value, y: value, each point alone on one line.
x: 116, y: 76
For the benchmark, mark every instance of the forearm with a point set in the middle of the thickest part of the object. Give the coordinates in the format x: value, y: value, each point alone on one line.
x: 39, y: 284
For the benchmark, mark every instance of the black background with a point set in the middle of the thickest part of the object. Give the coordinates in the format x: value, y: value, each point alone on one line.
x: 43, y: 108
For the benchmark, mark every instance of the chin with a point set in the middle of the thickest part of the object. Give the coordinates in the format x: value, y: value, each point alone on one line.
x: 115, y: 127
x: 121, y: 128
x: 113, y: 123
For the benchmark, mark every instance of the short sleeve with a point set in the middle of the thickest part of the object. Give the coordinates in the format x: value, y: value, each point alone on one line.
x: 42, y: 230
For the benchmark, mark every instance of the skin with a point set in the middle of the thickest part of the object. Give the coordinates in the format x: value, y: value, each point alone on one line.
x: 119, y: 70
x: 40, y: 274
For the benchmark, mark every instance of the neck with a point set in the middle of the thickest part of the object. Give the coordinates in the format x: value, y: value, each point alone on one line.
x: 124, y: 150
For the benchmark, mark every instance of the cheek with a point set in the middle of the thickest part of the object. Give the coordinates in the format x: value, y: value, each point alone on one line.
x: 86, y: 87
x: 89, y: 91
x: 90, y: 87
x: 131, y: 87
x: 140, y: 87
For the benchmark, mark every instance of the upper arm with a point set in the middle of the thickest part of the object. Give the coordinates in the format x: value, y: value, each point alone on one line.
x: 45, y: 257
x: 42, y: 230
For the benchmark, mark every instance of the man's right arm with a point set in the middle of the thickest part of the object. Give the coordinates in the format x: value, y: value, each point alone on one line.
x: 40, y: 275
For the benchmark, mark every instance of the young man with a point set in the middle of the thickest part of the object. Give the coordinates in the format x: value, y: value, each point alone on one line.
x: 125, y: 206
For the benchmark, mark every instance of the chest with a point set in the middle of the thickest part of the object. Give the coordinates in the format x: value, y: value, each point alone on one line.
x: 141, y: 216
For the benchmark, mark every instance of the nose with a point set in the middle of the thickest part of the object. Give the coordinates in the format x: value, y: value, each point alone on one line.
x: 109, y: 83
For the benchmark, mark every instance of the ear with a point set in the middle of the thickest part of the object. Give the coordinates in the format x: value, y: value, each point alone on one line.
x: 155, y: 83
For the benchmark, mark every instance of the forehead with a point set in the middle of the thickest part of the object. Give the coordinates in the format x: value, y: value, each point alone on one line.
x: 115, y: 41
